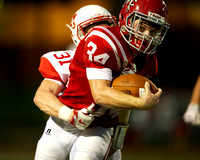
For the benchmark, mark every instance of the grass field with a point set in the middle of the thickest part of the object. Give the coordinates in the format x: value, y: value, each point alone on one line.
x: 153, y: 153
x: 161, y: 155
x: 22, y: 147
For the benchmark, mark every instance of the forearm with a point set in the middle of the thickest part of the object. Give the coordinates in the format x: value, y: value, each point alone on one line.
x: 48, y: 103
x: 115, y: 99
x: 46, y: 100
x: 104, y: 95
x: 195, y: 99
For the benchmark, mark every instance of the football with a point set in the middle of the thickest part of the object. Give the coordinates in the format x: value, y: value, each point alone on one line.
x: 133, y: 84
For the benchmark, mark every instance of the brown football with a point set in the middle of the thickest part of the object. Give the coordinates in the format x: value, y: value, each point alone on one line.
x: 133, y: 84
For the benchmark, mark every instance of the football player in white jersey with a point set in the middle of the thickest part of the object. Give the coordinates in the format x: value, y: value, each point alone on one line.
x: 88, y: 102
x: 55, y: 143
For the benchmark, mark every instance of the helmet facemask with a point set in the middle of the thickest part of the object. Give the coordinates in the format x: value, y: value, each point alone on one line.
x: 134, y: 34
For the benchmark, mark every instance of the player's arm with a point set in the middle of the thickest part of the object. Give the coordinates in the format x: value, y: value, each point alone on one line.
x: 46, y: 97
x: 47, y: 101
x: 192, y: 114
x: 196, y: 93
x: 101, y: 59
x: 104, y: 95
x: 54, y: 66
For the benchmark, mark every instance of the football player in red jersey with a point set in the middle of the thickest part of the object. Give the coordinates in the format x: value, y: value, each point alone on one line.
x: 101, y: 56
x: 56, y: 142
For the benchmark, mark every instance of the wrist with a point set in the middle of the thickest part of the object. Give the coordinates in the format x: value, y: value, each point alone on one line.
x: 65, y: 113
x: 193, y: 106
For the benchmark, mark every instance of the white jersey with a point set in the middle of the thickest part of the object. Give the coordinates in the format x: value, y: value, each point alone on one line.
x: 55, y: 65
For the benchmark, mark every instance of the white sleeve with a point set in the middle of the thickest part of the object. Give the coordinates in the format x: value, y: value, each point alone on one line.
x: 96, y: 73
x: 60, y: 60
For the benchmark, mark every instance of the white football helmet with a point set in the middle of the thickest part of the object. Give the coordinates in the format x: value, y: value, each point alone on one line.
x: 86, y: 16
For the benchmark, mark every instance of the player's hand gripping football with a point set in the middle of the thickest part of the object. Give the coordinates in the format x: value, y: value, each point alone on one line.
x: 150, y: 100
x: 81, y: 119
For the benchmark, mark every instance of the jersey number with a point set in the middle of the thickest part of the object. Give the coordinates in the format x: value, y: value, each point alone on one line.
x: 61, y: 58
x: 102, y: 58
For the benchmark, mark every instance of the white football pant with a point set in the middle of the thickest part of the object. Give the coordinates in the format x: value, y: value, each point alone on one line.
x: 61, y: 141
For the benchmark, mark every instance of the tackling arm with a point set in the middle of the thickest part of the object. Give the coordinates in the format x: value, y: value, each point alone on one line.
x: 46, y: 99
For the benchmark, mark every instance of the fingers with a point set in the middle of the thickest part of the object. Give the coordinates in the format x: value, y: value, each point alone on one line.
x: 150, y: 98
x: 147, y: 87
x: 158, y: 94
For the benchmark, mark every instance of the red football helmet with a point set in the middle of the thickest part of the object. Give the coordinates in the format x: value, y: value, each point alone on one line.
x: 133, y: 14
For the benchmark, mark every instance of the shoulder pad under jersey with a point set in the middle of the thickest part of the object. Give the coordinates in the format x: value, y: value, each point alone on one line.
x: 55, y: 65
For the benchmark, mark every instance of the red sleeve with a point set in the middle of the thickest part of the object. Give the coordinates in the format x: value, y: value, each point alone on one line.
x: 99, y: 53
x: 47, y: 70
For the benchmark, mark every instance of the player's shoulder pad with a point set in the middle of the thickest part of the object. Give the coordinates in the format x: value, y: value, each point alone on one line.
x: 59, y: 62
x: 104, y: 40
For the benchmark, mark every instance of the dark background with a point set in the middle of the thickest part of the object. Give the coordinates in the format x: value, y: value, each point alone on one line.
x: 28, y: 29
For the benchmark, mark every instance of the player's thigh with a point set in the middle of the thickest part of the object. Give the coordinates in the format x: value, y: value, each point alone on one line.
x: 48, y: 150
x: 55, y: 143
x: 92, y: 144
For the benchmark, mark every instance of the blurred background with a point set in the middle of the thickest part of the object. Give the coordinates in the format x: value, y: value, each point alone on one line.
x: 28, y: 29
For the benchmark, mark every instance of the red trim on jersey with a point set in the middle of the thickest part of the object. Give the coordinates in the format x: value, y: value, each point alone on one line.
x: 47, y: 70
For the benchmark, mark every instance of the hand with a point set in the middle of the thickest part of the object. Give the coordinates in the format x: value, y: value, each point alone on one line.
x: 81, y: 119
x: 192, y: 115
x: 150, y: 100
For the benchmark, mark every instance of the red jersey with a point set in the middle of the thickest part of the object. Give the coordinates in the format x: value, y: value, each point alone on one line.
x: 143, y: 64
x: 102, y: 54
x: 102, y: 50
